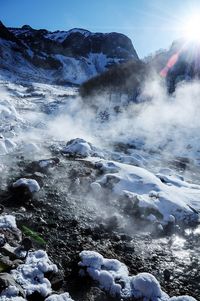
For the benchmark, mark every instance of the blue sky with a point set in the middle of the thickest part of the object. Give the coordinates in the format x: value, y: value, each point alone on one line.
x: 151, y: 24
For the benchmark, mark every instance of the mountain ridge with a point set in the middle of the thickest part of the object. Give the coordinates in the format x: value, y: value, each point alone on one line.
x: 62, y: 57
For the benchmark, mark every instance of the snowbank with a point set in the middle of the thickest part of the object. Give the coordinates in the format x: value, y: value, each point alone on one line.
x: 31, y: 184
x: 113, y: 277
x: 161, y: 194
x: 30, y: 275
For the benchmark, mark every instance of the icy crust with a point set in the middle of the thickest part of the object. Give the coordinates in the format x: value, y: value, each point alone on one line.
x: 30, y: 275
x: 113, y: 277
x: 171, y: 196
x: 31, y: 184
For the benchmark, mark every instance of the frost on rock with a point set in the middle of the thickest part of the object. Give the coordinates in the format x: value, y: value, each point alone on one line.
x: 7, y: 222
x: 31, y: 184
x: 80, y: 148
x: 61, y: 297
x: 30, y: 275
x: 113, y: 277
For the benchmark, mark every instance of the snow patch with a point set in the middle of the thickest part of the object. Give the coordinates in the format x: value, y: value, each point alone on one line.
x: 30, y: 275
x: 7, y: 222
x: 113, y: 277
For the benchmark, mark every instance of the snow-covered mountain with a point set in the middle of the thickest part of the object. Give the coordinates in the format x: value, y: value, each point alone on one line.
x: 61, y: 57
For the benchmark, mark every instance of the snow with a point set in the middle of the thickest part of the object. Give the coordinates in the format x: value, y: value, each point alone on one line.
x: 5, y: 298
x: 6, y: 145
x: 61, y: 297
x: 176, y: 199
x: 7, y: 222
x: 80, y: 148
x: 60, y: 36
x: 114, y: 278
x: 104, y: 270
x: 30, y: 275
x: 10, y: 294
x: 146, y: 285
x: 182, y: 298
x: 31, y: 184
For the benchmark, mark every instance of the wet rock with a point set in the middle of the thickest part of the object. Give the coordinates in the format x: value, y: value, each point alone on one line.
x: 57, y: 280
x: 2, y: 241
x: 167, y: 275
x: 11, y: 236
x: 96, y: 294
x: 42, y: 165
x: 12, y: 252
x: 2, y: 208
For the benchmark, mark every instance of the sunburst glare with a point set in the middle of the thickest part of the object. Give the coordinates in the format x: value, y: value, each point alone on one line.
x: 191, y: 29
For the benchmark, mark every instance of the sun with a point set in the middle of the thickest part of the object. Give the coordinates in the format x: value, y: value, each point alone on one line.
x: 191, y: 29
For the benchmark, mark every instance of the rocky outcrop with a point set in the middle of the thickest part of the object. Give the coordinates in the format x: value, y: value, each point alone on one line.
x: 61, y: 57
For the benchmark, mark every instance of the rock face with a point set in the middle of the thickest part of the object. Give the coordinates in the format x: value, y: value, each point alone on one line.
x: 62, y: 56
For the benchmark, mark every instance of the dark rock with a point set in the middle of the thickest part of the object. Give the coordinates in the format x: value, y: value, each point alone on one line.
x: 27, y: 244
x: 35, y: 297
x: 167, y: 275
